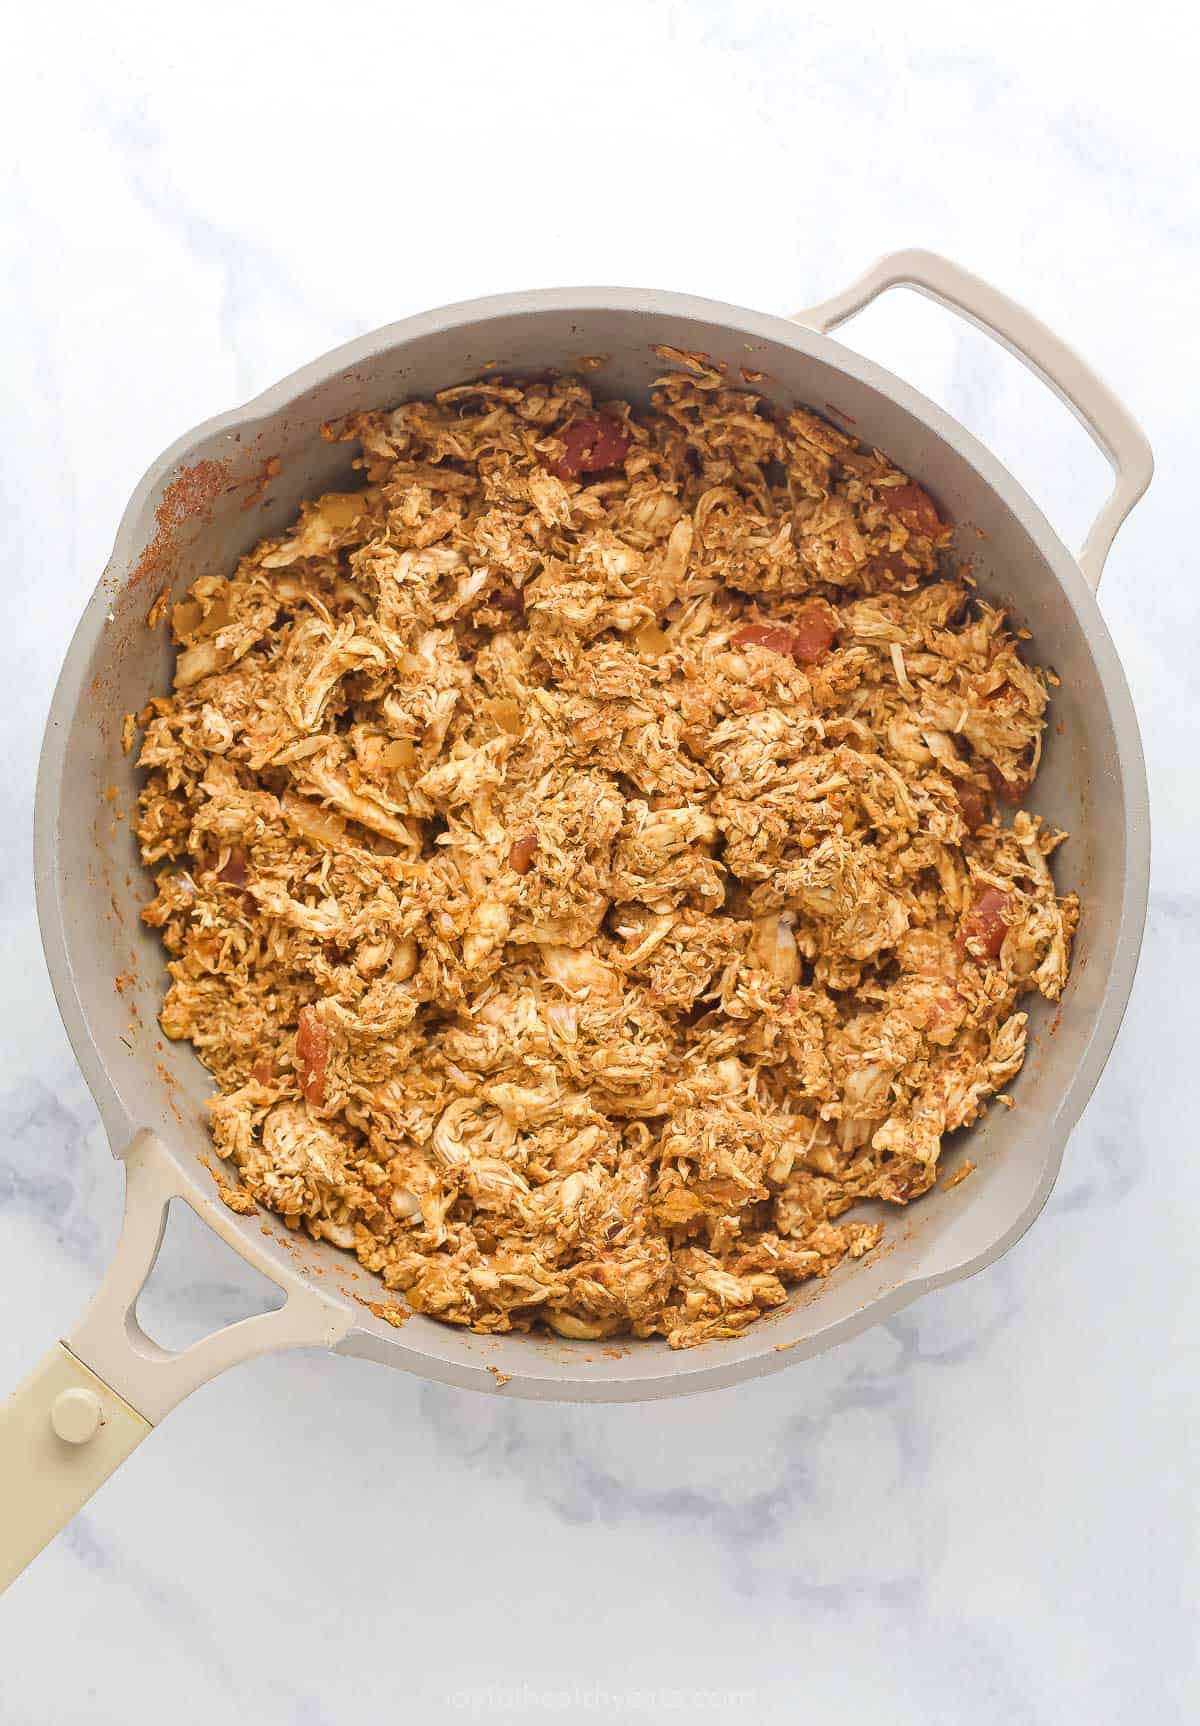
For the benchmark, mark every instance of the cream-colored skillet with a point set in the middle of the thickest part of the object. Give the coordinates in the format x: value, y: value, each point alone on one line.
x: 215, y: 493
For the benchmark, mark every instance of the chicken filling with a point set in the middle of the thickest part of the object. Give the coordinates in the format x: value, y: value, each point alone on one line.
x: 582, y: 856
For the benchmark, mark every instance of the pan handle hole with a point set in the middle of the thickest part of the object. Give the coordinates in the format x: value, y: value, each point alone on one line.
x: 197, y: 1286
x: 990, y: 392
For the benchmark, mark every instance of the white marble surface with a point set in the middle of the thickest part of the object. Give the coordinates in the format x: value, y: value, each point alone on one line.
x: 981, y: 1513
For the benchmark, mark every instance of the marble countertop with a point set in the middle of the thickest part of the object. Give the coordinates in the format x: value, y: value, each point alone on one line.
x: 982, y: 1512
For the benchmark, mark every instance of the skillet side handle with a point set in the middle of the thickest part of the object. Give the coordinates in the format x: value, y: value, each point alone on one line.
x: 1109, y: 423
x: 94, y: 1398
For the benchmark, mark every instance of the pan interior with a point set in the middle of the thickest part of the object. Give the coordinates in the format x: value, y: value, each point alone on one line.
x: 244, y: 476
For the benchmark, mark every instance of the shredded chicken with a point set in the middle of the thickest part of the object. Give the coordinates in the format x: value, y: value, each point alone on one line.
x: 578, y: 857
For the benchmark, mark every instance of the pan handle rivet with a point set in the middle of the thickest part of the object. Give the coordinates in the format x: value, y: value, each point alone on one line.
x: 75, y: 1415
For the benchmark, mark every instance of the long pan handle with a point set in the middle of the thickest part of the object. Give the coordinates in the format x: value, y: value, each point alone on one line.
x: 1109, y: 422
x: 62, y: 1433
x: 95, y: 1396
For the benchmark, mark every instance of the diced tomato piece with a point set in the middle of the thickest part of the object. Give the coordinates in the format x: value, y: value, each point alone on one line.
x: 807, y: 640
x: 520, y: 857
x: 591, y: 446
x: 986, y: 925
x: 812, y: 635
x: 973, y: 805
x: 312, y: 1051
x: 776, y: 640
x: 914, y: 507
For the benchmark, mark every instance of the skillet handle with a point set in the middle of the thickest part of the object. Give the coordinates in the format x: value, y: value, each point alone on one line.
x: 94, y: 1398
x: 62, y: 1433
x: 1110, y: 424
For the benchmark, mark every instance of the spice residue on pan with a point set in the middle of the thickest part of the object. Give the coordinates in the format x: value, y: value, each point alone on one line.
x: 271, y: 469
x: 188, y: 497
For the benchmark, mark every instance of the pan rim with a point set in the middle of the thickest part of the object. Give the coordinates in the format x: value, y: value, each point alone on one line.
x: 697, y: 1370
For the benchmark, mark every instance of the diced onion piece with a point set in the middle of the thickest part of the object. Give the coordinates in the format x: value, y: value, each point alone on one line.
x: 313, y: 823
x: 341, y: 509
x: 773, y: 946
x: 506, y: 713
x: 652, y: 641
x: 337, y: 1234
x: 218, y: 615
x: 582, y: 1329
x: 400, y: 755
x: 197, y: 662
x: 404, y: 1204
x: 185, y: 618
